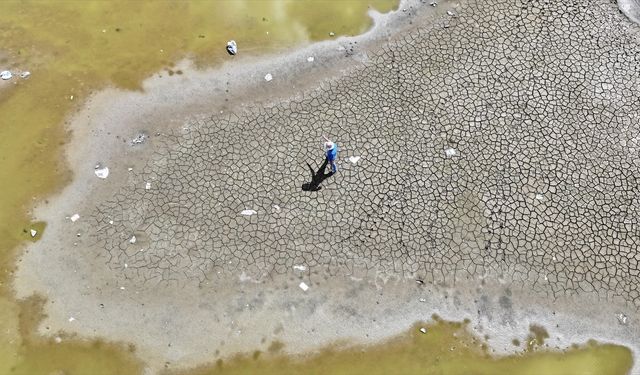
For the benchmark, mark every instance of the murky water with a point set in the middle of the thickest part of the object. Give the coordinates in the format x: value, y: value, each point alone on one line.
x: 444, y: 348
x: 74, y: 48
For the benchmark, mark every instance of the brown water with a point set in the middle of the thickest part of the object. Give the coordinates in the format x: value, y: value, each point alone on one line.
x: 74, y: 48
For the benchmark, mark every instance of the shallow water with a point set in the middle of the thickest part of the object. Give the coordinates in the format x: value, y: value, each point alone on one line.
x: 74, y: 48
x: 445, y: 348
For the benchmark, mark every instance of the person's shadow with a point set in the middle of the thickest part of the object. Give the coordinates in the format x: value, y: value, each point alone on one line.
x: 317, y: 177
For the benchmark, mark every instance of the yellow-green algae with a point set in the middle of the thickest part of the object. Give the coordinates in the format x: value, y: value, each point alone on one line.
x: 73, y: 48
x: 447, y: 348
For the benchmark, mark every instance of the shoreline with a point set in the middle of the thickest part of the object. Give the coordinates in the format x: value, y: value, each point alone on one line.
x: 102, y: 132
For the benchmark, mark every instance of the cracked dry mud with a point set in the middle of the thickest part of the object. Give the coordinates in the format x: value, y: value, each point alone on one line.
x: 505, y: 140
x: 491, y: 153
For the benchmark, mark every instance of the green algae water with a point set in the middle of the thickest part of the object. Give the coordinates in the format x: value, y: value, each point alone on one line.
x: 74, y: 48
x: 446, y: 348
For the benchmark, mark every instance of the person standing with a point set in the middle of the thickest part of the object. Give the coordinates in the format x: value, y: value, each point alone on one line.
x: 331, y: 153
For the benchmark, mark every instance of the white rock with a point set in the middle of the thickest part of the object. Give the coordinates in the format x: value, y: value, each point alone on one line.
x: 268, y: 77
x: 101, y: 172
x: 132, y: 240
x: 147, y: 186
x: 300, y: 268
x: 71, y: 319
x: 423, y: 300
x: 354, y: 159
x: 121, y: 288
x: 451, y: 13
x: 276, y: 207
x: 33, y: 232
x: 310, y: 59
x: 58, y: 339
x: 450, y: 152
x: 25, y: 74
x: 75, y: 217
x: 303, y: 286
x: 539, y: 197
x: 423, y: 330
x: 5, y: 75
x: 248, y: 212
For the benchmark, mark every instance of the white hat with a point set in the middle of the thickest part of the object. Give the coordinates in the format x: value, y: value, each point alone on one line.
x: 329, y: 145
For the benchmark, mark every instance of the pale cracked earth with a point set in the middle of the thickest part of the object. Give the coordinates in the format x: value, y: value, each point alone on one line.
x: 504, y: 140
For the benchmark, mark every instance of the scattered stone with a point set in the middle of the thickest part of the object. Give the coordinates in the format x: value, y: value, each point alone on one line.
x: 310, y: 59
x: 539, y: 196
x: 332, y: 34
x: 5, y: 75
x: 418, y: 281
x: 122, y: 288
x: 58, y: 339
x: 303, y: 286
x: 139, y: 139
x: 133, y: 239
x: 71, y: 319
x: 74, y: 217
x: 300, y: 268
x: 268, y: 77
x: 423, y: 330
x: 433, y: 3
x: 354, y: 159
x: 451, y: 13
x: 25, y: 75
x: 248, y: 212
x: 276, y: 207
x: 33, y: 232
x: 101, y: 172
x: 147, y: 186
x: 423, y: 300
x: 232, y: 47
x: 450, y: 152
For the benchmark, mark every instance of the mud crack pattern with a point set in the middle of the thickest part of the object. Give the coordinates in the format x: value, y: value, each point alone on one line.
x: 503, y: 140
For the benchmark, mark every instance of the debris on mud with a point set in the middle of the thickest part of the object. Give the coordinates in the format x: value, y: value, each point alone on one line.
x: 622, y: 319
x: 248, y: 212
x: 139, y: 139
x: 74, y: 217
x: 5, y: 75
x: 303, y: 286
x: 101, y: 172
x: 450, y: 152
x: 232, y: 47
x: 268, y: 77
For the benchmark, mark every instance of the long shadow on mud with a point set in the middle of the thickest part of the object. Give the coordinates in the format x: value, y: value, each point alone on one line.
x: 317, y: 177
